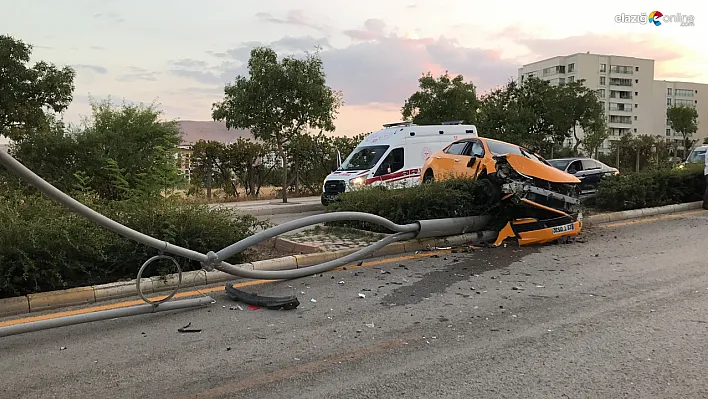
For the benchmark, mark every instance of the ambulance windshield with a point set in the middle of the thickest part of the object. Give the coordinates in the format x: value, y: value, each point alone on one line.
x: 363, y: 158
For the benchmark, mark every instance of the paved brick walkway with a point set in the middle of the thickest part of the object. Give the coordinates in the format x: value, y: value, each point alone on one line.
x: 334, y: 239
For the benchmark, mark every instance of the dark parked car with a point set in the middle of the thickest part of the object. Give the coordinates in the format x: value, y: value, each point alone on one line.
x: 589, y: 171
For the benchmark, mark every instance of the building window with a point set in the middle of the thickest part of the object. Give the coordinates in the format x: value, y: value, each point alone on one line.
x: 668, y: 132
x: 684, y: 103
x: 546, y: 71
x: 561, y: 80
x: 668, y: 123
x: 621, y: 69
x: 684, y: 93
x: 635, y: 117
x: 571, y: 79
x: 636, y: 105
x: 620, y: 107
x: 635, y: 130
x: 636, y: 93
x: 625, y: 95
x: 620, y: 82
x: 603, y: 67
x: 636, y: 80
x: 561, y: 69
x: 668, y: 101
x: 603, y: 81
x: 600, y: 93
x: 668, y: 91
x: 636, y: 68
x: 571, y: 68
x: 627, y: 120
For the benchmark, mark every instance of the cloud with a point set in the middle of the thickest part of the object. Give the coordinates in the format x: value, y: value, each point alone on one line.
x: 293, y: 17
x: 138, y: 74
x: 640, y: 46
x: 383, y: 69
x: 373, y: 29
x: 97, y: 48
x: 91, y: 68
x: 110, y: 16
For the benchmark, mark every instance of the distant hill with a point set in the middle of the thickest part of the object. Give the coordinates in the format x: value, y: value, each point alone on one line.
x: 193, y: 131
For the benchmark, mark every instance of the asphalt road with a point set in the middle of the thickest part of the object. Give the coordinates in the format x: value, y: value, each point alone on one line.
x: 623, y: 314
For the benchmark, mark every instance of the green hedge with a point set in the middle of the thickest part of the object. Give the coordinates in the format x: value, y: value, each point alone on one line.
x: 443, y: 199
x: 46, y: 247
x: 651, y: 188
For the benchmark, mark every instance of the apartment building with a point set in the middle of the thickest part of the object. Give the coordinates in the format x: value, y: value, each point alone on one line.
x: 669, y: 93
x: 633, y: 101
x: 184, y: 160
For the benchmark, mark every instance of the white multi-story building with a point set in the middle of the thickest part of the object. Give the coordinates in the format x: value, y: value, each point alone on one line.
x: 634, y: 102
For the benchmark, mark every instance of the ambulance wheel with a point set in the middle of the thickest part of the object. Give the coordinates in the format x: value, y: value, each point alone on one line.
x: 325, y: 201
x: 428, y: 177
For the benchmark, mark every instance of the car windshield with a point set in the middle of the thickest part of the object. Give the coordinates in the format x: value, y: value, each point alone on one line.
x: 697, y: 156
x: 498, y: 148
x: 363, y: 158
x: 559, y: 163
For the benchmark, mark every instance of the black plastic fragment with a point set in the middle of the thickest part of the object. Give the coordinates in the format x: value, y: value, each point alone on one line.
x: 268, y: 302
x: 186, y: 329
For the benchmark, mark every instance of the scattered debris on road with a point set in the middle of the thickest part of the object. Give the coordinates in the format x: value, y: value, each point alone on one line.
x: 186, y: 329
x: 274, y: 303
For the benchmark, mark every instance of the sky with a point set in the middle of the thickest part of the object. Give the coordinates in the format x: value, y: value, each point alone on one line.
x: 179, y: 54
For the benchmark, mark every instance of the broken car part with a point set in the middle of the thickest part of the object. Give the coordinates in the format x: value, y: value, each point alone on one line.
x: 541, y: 203
x: 268, y: 302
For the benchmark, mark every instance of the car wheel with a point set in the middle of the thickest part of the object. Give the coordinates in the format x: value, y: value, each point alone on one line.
x: 492, y: 192
x: 428, y: 177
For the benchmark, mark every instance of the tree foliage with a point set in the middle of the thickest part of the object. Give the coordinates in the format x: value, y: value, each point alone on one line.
x: 441, y: 100
x: 27, y: 93
x: 539, y: 115
x: 684, y: 120
x: 119, y: 153
x: 596, y: 133
x: 279, y: 100
x: 311, y: 157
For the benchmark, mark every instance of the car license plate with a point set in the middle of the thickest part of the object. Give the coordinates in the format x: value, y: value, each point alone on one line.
x: 563, y: 229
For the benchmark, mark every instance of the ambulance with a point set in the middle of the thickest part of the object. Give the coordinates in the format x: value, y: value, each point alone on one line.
x: 392, y: 157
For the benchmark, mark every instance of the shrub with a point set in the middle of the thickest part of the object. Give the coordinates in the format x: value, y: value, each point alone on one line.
x: 47, y: 247
x: 651, y: 188
x: 443, y: 199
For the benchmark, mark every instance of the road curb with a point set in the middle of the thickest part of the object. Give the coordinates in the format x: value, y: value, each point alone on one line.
x: 193, y: 279
x: 76, y: 296
x: 282, y: 209
x: 641, y: 213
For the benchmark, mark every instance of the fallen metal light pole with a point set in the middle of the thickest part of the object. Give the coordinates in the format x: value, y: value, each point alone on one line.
x: 103, y: 315
x: 216, y: 260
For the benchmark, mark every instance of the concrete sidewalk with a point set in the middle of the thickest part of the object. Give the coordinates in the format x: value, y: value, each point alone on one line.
x: 276, y: 206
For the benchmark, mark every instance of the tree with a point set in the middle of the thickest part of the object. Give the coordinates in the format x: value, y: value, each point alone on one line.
x: 583, y: 107
x: 279, y: 100
x: 524, y: 114
x: 118, y: 153
x: 209, y: 167
x: 28, y: 93
x: 684, y: 120
x: 245, y: 157
x: 595, y: 134
x: 441, y: 100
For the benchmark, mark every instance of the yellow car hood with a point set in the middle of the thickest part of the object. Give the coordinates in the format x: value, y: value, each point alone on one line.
x: 538, y: 170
